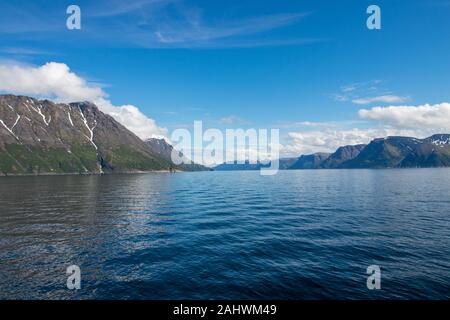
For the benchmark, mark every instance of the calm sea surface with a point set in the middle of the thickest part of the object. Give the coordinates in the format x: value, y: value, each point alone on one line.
x: 227, y: 235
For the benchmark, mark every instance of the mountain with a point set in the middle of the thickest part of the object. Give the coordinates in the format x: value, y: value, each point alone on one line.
x: 287, y: 163
x: 161, y: 147
x: 284, y: 164
x: 390, y: 152
x: 311, y: 161
x: 342, y: 154
x: 164, y: 149
x: 43, y: 137
x: 383, y: 153
x: 404, y: 152
x: 432, y: 152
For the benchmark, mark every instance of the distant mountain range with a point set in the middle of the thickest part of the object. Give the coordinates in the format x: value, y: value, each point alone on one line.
x: 390, y: 152
x: 43, y: 137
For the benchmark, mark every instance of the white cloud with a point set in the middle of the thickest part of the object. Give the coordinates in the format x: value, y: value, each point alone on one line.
x: 55, y: 81
x: 435, y: 117
x: 413, y: 121
x: 133, y: 119
x: 382, y: 99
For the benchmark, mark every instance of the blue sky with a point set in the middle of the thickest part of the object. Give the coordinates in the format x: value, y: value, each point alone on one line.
x: 296, y: 65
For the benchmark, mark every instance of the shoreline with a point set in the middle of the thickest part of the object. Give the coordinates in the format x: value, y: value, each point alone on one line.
x: 50, y: 174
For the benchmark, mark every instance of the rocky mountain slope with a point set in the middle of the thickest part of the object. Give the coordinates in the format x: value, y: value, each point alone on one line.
x: 311, y: 161
x: 430, y: 152
x: 404, y: 152
x: 164, y: 149
x: 342, y: 155
x: 42, y: 137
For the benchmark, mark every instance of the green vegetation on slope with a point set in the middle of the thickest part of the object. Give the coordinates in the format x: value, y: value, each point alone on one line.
x: 21, y: 159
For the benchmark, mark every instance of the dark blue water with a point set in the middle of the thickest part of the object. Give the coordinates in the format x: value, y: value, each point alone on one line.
x: 227, y: 235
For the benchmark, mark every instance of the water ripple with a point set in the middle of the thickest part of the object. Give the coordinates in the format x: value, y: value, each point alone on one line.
x: 227, y: 235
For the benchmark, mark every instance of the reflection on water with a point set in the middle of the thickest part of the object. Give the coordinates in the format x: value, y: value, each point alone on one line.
x: 227, y: 235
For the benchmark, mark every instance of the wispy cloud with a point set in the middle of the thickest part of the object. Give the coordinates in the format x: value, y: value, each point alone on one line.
x: 191, y: 28
x: 382, y: 99
x: 363, y: 93
x: 232, y: 120
x: 23, y: 51
x: 114, y: 8
x: 153, y: 24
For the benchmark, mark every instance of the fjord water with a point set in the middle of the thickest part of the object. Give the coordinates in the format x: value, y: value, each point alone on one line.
x: 227, y: 235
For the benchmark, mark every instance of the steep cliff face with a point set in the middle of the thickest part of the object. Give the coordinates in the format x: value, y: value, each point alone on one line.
x: 43, y: 137
x: 342, y: 155
x: 311, y: 161
x: 164, y: 149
